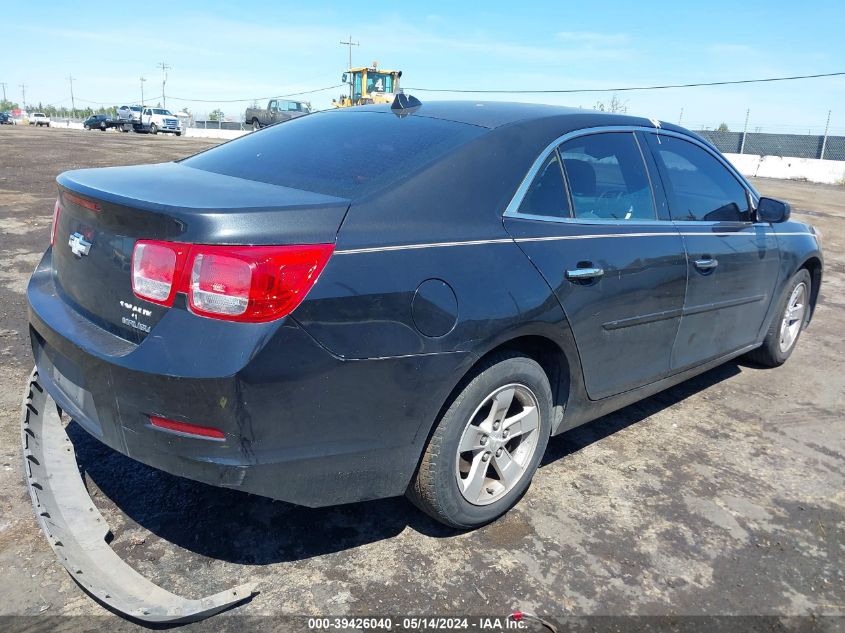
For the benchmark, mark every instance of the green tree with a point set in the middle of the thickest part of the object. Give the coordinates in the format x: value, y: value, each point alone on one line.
x: 723, y: 127
x: 216, y: 115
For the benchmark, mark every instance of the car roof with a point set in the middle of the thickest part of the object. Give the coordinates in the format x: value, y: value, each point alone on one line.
x: 493, y: 114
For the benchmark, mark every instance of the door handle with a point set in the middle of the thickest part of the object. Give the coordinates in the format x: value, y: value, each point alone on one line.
x: 582, y: 274
x: 708, y: 263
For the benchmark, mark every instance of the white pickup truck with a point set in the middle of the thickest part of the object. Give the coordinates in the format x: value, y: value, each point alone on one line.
x: 39, y: 119
x: 160, y: 120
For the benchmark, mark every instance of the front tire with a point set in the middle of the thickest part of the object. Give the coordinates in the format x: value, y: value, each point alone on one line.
x: 791, y: 317
x: 487, y: 445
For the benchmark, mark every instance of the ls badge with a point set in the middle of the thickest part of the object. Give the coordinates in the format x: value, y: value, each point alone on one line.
x: 78, y: 245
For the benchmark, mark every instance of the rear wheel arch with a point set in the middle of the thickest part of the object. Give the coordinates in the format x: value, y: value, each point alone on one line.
x: 561, y: 365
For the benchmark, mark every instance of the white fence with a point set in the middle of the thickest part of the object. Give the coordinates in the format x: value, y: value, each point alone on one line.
x: 831, y: 172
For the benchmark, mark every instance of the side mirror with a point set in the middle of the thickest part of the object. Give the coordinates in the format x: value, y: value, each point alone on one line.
x: 771, y: 210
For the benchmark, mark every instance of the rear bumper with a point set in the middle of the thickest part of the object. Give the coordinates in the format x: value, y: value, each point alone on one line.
x: 299, y: 424
x: 78, y: 533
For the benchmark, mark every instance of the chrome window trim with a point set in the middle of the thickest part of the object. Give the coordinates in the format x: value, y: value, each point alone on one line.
x: 512, y: 210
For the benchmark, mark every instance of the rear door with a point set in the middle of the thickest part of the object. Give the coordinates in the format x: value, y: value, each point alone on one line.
x: 733, y: 261
x: 591, y: 224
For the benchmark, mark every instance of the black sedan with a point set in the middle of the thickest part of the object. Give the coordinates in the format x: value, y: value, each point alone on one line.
x: 380, y: 301
x: 99, y: 122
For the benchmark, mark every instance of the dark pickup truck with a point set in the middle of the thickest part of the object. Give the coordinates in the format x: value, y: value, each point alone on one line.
x: 277, y: 110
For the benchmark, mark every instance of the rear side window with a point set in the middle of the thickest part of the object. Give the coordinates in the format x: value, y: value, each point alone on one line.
x: 346, y: 154
x: 607, y: 177
x: 547, y: 194
x: 701, y: 187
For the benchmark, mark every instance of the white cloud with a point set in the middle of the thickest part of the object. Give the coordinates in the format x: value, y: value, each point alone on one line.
x: 592, y: 38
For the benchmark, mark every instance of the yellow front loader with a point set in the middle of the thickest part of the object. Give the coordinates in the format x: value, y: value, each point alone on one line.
x: 369, y: 85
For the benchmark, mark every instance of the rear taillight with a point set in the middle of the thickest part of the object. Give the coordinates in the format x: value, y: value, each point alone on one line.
x: 154, y: 271
x: 236, y: 283
x: 57, y: 209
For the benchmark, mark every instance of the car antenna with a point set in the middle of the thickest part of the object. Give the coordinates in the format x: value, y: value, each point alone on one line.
x: 403, y: 104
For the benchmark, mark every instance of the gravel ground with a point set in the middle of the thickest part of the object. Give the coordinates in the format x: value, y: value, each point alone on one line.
x: 721, y: 496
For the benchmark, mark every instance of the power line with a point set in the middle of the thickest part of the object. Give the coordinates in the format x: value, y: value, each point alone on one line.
x: 629, y: 88
x: 292, y: 94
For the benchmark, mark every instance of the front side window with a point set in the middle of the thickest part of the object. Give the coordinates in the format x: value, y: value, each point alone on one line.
x: 607, y: 177
x: 701, y: 187
x: 547, y: 194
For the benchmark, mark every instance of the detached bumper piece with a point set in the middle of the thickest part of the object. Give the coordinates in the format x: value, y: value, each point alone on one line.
x: 77, y: 531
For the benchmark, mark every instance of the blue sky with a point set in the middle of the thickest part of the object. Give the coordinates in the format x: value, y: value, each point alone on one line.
x: 251, y: 49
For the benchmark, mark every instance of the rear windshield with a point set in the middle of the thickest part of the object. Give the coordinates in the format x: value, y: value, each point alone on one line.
x: 345, y: 154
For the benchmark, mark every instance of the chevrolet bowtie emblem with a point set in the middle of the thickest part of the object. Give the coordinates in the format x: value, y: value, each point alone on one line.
x: 78, y: 245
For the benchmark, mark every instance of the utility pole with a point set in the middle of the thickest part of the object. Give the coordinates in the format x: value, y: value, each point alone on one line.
x: 681, y: 116
x: 23, y: 91
x: 350, y: 44
x: 824, y: 140
x: 164, y: 68
x: 72, y: 102
x: 744, y: 132
x: 143, y: 79
x: 2, y: 83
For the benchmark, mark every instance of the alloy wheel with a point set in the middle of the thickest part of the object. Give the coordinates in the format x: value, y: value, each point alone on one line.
x: 498, y: 444
x: 793, y: 317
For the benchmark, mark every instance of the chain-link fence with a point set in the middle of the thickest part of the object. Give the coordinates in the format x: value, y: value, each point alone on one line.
x: 764, y: 144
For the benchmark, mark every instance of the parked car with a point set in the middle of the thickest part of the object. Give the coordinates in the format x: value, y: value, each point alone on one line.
x: 6, y: 119
x: 129, y: 114
x: 406, y: 304
x: 277, y: 110
x: 161, y: 120
x: 99, y: 121
x: 39, y: 119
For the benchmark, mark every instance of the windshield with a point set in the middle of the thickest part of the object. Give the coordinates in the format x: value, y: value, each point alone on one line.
x: 379, y: 82
x: 160, y: 111
x: 346, y: 154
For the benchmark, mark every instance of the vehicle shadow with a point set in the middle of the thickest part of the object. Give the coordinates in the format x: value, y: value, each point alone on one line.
x: 580, y: 437
x: 237, y: 527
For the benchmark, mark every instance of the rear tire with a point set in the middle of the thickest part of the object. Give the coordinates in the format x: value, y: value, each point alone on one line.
x: 487, y: 445
x: 153, y: 128
x: 791, y: 317
x: 255, y: 125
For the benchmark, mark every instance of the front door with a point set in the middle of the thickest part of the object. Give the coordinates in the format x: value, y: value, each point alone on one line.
x: 733, y: 262
x: 589, y: 222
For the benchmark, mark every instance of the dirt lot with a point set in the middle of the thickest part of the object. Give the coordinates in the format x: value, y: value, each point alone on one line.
x: 724, y: 495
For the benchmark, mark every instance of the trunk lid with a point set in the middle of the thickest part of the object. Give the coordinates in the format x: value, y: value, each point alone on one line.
x: 105, y: 211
